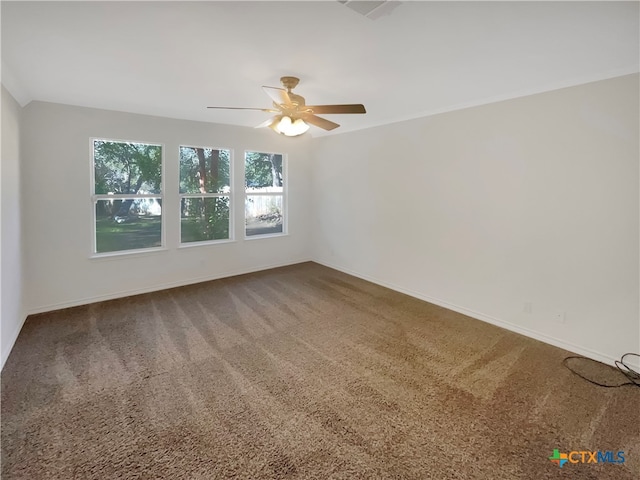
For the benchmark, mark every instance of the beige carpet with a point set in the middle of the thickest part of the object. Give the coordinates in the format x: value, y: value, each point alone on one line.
x: 298, y: 372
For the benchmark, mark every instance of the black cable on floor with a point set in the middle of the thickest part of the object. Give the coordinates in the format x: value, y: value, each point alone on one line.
x: 621, y: 365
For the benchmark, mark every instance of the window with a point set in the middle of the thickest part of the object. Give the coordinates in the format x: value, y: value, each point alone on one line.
x: 265, y: 194
x: 205, y: 188
x: 127, y: 195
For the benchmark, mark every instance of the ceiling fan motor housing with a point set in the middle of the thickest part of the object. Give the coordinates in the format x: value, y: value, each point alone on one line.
x: 289, y: 82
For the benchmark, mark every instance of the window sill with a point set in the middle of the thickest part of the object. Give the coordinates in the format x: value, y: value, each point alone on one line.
x: 266, y: 235
x: 127, y: 253
x: 205, y: 243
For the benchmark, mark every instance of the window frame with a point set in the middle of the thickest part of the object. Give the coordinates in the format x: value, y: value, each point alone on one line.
x: 95, y: 197
x: 230, y: 194
x: 283, y: 194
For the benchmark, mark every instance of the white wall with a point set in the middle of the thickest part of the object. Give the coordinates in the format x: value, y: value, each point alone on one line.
x: 12, y: 313
x: 532, y: 200
x: 57, y: 207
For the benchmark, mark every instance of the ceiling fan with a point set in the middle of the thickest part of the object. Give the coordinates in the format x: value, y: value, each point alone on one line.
x: 293, y: 115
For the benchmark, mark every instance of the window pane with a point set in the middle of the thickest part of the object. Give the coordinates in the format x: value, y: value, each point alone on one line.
x: 128, y: 224
x: 127, y: 168
x: 204, y: 170
x: 263, y: 172
x: 263, y: 214
x: 204, y: 219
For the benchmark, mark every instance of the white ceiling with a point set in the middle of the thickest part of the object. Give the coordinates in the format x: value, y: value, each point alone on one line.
x: 173, y: 59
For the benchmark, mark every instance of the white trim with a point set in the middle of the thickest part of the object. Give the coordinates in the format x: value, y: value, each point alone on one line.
x: 163, y: 286
x: 128, y: 253
x: 204, y: 195
x: 92, y: 193
x: 124, y: 196
x: 465, y: 311
x: 204, y: 243
x: 14, y: 338
x: 259, y: 236
x: 233, y: 198
x: 556, y: 342
x: 262, y: 194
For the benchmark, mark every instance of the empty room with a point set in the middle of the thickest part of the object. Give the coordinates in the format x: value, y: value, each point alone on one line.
x: 320, y: 240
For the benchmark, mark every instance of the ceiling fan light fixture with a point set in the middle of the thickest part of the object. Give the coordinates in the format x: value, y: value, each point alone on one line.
x: 294, y: 117
x: 291, y: 128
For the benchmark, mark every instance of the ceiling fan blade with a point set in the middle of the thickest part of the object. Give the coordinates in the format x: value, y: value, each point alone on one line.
x: 269, y: 123
x: 271, y: 110
x: 319, y: 122
x: 278, y: 95
x: 352, y: 108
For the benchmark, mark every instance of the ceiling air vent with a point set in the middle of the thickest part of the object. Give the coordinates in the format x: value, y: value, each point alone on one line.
x: 372, y: 10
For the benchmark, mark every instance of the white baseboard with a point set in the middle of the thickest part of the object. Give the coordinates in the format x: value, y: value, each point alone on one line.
x: 465, y: 311
x: 14, y: 337
x: 543, y: 337
x: 157, y: 287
